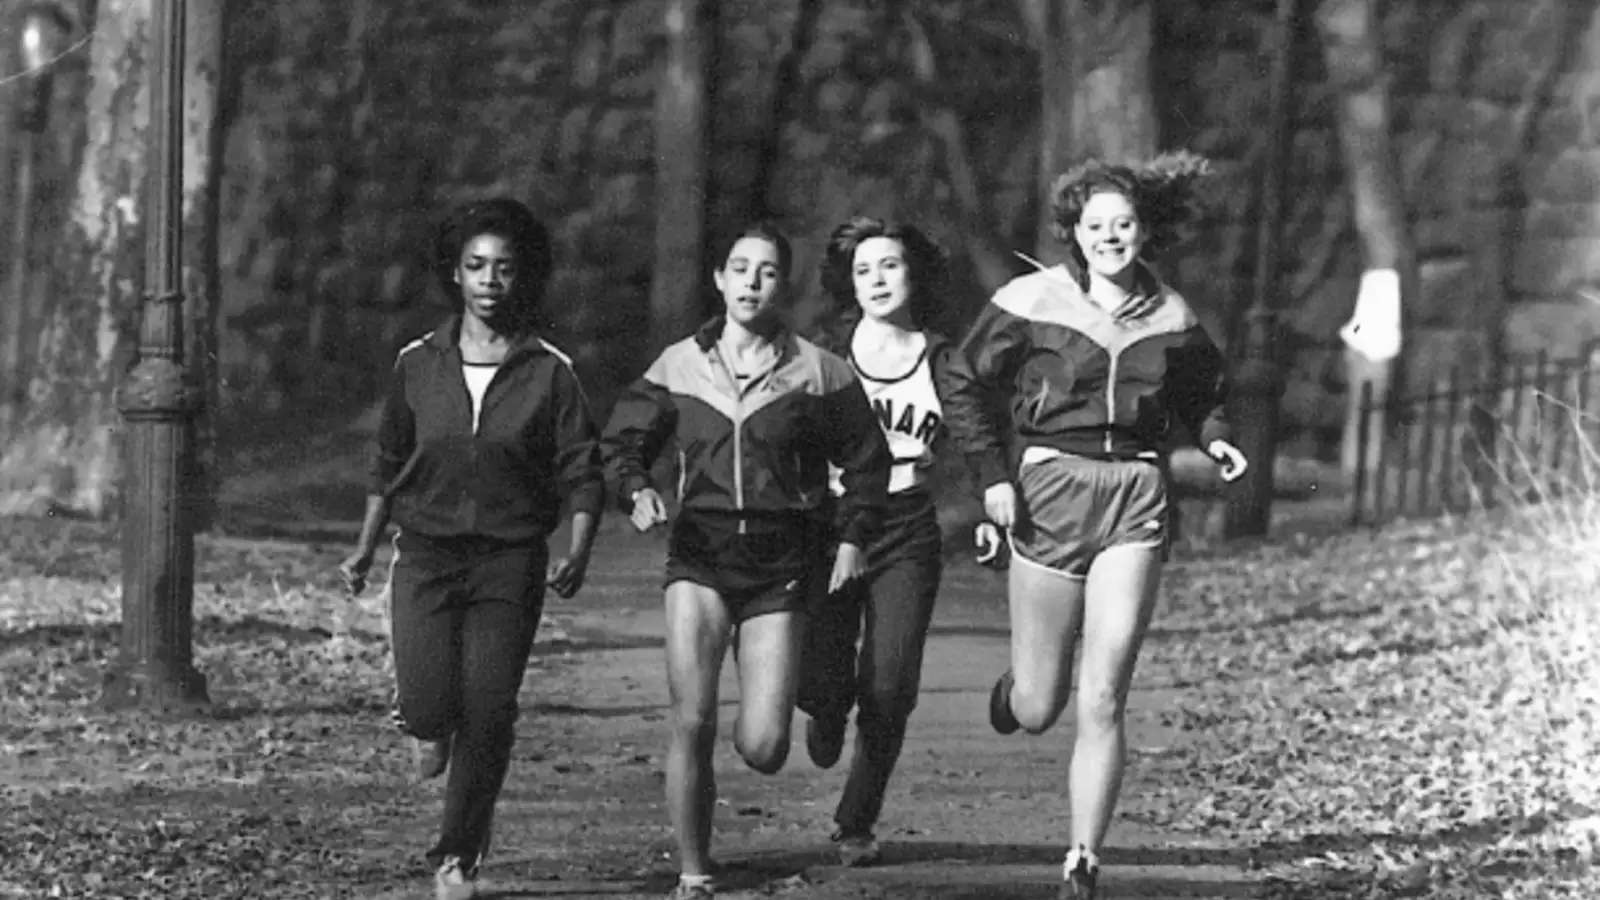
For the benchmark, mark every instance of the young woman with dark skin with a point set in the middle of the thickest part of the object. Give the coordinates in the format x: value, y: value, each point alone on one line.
x: 485, y: 434
x: 757, y: 415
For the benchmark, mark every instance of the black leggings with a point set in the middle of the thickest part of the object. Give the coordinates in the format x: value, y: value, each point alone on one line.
x: 463, y: 624
x: 890, y: 610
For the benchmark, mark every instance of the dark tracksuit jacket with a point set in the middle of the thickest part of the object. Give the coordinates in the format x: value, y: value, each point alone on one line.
x: 536, y: 444
x: 758, y: 453
x: 1078, y: 379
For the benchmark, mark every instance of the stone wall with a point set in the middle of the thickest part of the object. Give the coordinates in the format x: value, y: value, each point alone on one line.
x: 354, y: 125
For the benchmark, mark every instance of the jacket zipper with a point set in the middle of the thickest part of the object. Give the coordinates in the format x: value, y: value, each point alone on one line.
x: 738, y: 442
x: 1111, y: 400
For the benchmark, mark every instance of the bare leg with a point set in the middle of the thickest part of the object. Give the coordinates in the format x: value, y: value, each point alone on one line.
x: 769, y: 675
x: 1046, y: 610
x: 697, y: 638
x: 1121, y: 595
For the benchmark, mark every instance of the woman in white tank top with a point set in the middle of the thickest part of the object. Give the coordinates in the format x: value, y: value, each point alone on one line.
x: 890, y: 274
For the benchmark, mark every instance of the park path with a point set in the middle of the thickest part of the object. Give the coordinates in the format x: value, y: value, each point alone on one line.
x: 970, y: 814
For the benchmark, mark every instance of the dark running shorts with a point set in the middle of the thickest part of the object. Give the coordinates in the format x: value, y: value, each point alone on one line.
x: 759, y: 571
x: 1076, y: 507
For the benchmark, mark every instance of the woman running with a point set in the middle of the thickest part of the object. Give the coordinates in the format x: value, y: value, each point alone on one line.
x: 485, y: 432
x: 757, y: 415
x: 1099, y: 361
x: 890, y: 275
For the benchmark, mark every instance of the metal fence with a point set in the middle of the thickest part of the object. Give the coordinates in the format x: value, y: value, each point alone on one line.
x: 1460, y: 444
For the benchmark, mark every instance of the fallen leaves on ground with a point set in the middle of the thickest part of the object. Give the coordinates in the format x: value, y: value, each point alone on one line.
x: 1407, y: 713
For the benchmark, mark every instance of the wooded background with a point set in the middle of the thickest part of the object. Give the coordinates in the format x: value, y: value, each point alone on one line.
x: 1452, y: 139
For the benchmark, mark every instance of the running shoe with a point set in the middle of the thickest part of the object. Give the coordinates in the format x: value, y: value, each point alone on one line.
x: 429, y: 759
x: 1000, y: 715
x: 825, y: 739
x: 453, y: 881
x: 1080, y: 882
x: 696, y: 891
x: 857, y: 850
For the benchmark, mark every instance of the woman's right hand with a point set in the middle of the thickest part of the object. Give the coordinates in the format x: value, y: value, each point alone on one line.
x: 1000, y: 504
x: 353, y: 570
x: 649, y: 510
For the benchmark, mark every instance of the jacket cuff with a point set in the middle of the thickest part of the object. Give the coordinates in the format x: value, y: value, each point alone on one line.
x: 588, y: 497
x: 628, y: 485
x: 987, y: 469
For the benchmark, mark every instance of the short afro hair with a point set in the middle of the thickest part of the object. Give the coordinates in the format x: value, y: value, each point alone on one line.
x: 507, y: 219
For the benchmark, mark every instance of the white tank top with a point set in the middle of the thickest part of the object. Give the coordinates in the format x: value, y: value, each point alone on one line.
x: 478, y: 376
x: 910, y: 414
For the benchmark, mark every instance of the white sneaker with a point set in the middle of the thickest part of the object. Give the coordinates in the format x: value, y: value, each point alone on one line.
x: 453, y: 881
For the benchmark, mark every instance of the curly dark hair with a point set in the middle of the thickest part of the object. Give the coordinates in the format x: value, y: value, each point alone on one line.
x: 505, y: 218
x: 926, y: 262
x: 1161, y: 190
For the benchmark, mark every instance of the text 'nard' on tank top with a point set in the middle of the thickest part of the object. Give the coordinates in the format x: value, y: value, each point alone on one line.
x: 909, y: 411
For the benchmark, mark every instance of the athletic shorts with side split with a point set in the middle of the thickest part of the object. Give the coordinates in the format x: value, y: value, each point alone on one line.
x: 757, y: 570
x: 1076, y: 507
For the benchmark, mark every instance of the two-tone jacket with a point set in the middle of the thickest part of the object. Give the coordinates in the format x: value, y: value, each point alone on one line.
x: 1079, y: 379
x: 535, y: 445
x: 756, y: 448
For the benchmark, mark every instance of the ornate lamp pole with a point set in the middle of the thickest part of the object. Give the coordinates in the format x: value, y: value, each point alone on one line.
x: 1258, y: 379
x: 44, y: 30
x: 159, y: 400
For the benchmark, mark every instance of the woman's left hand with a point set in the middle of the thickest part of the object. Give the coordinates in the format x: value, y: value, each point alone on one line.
x: 848, y: 565
x: 1229, y: 457
x: 565, y: 575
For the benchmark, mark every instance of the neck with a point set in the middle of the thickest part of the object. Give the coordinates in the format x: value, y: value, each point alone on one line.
x: 741, y: 337
x: 1114, y: 286
x: 480, y: 332
x: 890, y: 330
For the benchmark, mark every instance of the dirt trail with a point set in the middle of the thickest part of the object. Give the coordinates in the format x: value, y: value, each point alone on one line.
x: 970, y: 814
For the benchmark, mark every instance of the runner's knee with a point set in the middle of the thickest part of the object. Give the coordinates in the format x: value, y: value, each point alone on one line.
x: 764, y: 748
x: 888, y: 703
x: 1035, y: 711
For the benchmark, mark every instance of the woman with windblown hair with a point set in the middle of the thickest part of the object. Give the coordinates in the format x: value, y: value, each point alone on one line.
x: 1098, y: 361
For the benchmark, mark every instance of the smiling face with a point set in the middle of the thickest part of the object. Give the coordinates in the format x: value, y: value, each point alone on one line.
x: 882, y: 280
x: 487, y: 274
x: 1109, y: 233
x: 750, y: 280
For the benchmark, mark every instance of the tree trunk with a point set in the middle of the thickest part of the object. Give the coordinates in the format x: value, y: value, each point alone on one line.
x: 1095, y: 92
x: 682, y: 144
x: 1354, y: 59
x: 65, y: 455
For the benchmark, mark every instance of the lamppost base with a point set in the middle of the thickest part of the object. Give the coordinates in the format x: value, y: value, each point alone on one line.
x: 155, y: 685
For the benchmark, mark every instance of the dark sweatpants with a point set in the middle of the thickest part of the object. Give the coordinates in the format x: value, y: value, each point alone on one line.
x: 463, y: 620
x: 889, y: 610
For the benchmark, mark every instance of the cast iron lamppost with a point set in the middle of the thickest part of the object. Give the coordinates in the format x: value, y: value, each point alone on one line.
x: 159, y: 400
x: 1258, y: 379
x: 44, y: 29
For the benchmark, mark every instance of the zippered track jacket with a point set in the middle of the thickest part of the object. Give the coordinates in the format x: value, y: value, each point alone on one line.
x: 536, y: 443
x: 1080, y: 380
x: 760, y: 450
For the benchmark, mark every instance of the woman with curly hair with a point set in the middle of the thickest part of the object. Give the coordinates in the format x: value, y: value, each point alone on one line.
x: 1098, y: 361
x: 889, y: 276
x: 484, y: 434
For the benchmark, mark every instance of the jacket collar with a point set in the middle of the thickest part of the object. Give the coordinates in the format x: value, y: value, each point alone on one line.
x: 705, y: 337
x: 445, y: 337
